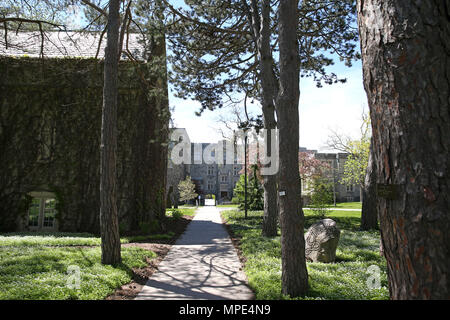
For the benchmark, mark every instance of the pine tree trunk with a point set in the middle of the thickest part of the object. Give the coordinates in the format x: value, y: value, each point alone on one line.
x: 270, y: 217
x: 109, y: 226
x: 269, y: 89
x: 406, y: 65
x: 294, y: 274
x: 369, y: 214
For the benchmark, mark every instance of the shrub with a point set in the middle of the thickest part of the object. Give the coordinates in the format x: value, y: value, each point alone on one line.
x: 177, y: 214
x: 255, y: 192
x: 321, y: 197
x: 149, y: 227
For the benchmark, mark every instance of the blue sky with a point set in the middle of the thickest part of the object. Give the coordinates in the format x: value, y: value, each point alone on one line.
x: 338, y: 107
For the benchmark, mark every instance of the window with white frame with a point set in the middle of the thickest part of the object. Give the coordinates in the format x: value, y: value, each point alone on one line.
x: 33, y: 213
x: 49, y: 213
x: 42, y: 211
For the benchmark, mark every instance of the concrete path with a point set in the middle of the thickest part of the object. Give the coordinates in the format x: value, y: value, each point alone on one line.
x: 202, y: 264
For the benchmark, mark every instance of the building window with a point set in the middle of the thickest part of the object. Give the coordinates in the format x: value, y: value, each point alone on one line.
x: 33, y: 218
x: 349, y: 188
x: 210, y: 185
x: 42, y: 211
x: 223, y: 178
x: 49, y: 212
x: 236, y: 171
x: 210, y: 170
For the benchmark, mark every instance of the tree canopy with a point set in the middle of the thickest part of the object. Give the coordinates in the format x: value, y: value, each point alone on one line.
x: 214, y: 46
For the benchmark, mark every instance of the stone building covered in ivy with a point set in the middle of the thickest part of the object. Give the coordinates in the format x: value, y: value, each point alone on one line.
x: 50, y: 126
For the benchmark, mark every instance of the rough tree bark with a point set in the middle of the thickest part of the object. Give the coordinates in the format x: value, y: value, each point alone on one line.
x: 268, y: 96
x: 369, y: 215
x: 405, y: 48
x: 294, y: 274
x: 109, y: 226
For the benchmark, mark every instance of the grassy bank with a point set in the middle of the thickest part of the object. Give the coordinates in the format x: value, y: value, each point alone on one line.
x: 345, y: 279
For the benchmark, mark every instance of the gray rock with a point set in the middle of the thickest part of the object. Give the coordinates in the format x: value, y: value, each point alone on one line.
x: 321, y: 241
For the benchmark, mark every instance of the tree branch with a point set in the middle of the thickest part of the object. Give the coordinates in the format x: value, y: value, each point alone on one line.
x: 95, y: 7
x: 231, y: 30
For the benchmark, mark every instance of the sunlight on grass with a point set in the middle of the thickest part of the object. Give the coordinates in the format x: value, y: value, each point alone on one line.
x: 42, y: 272
x: 348, y: 205
x: 185, y: 211
x: 345, y: 279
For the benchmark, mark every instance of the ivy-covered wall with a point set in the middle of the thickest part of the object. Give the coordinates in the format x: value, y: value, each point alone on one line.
x: 50, y: 126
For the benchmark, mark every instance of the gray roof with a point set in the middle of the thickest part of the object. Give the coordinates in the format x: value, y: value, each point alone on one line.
x: 63, y: 44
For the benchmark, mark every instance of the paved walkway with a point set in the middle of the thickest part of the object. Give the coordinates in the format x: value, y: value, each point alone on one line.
x: 202, y: 264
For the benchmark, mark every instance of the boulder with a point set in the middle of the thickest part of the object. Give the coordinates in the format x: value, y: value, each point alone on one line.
x: 321, y: 241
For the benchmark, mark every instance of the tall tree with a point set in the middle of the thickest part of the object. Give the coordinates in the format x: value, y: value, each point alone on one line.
x: 262, y: 34
x: 220, y: 50
x: 405, y: 47
x: 109, y: 224
x: 294, y: 275
x: 224, y: 47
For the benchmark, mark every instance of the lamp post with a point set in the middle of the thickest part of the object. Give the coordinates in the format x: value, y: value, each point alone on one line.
x: 334, y: 178
x: 245, y: 172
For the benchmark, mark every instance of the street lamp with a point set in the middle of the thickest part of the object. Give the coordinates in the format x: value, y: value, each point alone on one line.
x: 245, y: 172
x: 334, y: 178
x: 245, y: 126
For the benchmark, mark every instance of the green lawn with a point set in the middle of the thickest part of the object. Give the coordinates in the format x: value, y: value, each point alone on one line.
x: 344, y: 279
x: 40, y: 272
x: 36, y: 265
x: 66, y: 239
x: 183, y: 210
x: 227, y: 206
x: 348, y: 205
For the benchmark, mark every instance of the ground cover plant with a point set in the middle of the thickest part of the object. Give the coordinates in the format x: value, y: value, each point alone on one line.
x: 42, y: 272
x: 349, y: 277
x: 40, y: 265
